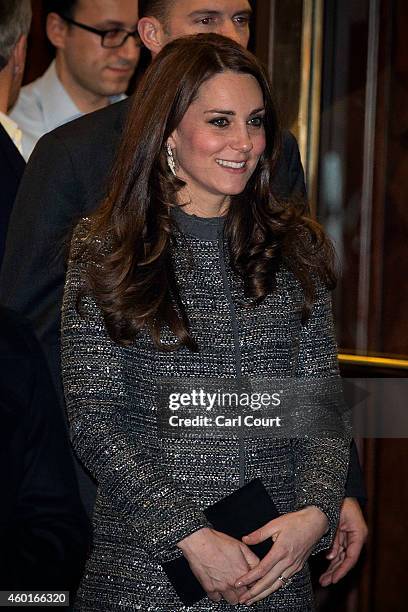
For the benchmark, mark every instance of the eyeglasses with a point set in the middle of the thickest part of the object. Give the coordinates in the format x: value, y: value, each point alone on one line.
x: 110, y: 39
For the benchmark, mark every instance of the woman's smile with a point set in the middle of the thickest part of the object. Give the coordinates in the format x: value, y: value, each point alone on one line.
x: 239, y: 167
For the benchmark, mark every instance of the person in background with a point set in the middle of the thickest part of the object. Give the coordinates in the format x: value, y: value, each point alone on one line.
x: 97, y: 51
x: 44, y: 530
x: 67, y: 178
x: 15, y: 20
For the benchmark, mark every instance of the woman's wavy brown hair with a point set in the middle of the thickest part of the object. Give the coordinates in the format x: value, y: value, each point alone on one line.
x: 132, y: 280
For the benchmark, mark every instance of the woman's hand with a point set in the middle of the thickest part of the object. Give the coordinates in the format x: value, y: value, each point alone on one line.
x: 217, y: 561
x: 294, y: 536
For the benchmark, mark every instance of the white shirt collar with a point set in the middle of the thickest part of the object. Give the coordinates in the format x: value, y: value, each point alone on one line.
x: 58, y: 108
x: 12, y: 130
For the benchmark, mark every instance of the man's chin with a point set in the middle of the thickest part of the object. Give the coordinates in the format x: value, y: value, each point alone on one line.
x: 116, y: 89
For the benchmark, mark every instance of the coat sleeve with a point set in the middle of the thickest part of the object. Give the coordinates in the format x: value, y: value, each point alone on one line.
x: 290, y: 182
x: 97, y: 399
x: 320, y: 463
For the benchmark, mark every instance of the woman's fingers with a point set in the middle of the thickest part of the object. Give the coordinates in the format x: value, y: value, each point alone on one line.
x: 231, y: 596
x: 269, y: 583
x: 274, y: 556
x: 275, y: 587
x: 249, y: 556
x: 261, y: 534
x: 214, y: 596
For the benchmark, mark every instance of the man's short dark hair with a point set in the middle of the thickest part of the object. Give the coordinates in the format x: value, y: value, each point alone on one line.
x: 155, y: 8
x: 61, y: 7
x: 15, y: 20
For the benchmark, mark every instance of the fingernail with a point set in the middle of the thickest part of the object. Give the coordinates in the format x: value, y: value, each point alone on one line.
x: 238, y: 584
x: 249, y: 602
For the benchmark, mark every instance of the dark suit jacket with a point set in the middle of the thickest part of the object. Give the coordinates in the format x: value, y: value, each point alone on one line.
x: 12, y: 167
x: 65, y: 179
x: 44, y: 531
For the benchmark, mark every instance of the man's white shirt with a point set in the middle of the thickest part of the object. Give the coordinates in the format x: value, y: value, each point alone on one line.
x: 44, y: 105
x: 12, y: 130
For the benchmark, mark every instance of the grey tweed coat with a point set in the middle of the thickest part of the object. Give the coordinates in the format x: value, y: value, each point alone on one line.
x: 152, y: 489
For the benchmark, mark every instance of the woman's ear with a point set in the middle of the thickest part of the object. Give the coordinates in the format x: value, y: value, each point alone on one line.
x: 152, y: 34
x: 172, y: 141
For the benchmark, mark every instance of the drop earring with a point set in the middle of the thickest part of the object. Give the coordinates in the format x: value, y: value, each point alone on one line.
x: 170, y: 159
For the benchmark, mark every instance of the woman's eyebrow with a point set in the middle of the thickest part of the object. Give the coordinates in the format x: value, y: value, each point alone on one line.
x: 221, y: 112
x: 230, y: 112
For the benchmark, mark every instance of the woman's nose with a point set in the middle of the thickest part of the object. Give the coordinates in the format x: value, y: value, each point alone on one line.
x: 242, y: 141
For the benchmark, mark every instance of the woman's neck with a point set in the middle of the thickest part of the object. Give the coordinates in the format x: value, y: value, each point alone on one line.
x: 203, y: 206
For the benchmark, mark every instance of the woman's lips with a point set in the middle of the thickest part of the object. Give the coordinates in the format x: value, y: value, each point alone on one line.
x: 235, y: 167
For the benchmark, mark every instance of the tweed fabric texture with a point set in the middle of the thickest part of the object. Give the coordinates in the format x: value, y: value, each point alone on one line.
x: 152, y: 490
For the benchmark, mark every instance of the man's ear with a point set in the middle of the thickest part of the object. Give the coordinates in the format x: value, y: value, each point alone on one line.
x: 19, y: 55
x: 56, y: 29
x: 152, y: 34
x: 15, y: 67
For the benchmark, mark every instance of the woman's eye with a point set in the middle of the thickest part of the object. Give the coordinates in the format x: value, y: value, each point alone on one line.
x: 220, y: 122
x: 256, y: 121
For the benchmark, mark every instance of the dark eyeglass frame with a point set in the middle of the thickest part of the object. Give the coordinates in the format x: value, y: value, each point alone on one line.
x: 103, y: 33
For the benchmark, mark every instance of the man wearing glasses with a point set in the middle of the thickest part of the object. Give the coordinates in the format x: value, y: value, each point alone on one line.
x: 97, y: 50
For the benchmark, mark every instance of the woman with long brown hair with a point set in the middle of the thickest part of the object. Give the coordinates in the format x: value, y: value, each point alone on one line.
x: 192, y: 268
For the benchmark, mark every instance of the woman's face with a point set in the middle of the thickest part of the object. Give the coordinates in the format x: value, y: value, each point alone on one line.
x: 219, y: 141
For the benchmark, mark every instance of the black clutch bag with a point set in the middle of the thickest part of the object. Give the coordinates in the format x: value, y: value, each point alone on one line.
x: 236, y: 515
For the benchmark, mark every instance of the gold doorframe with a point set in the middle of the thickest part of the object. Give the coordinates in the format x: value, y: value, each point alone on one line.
x: 289, y: 39
x: 310, y: 93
